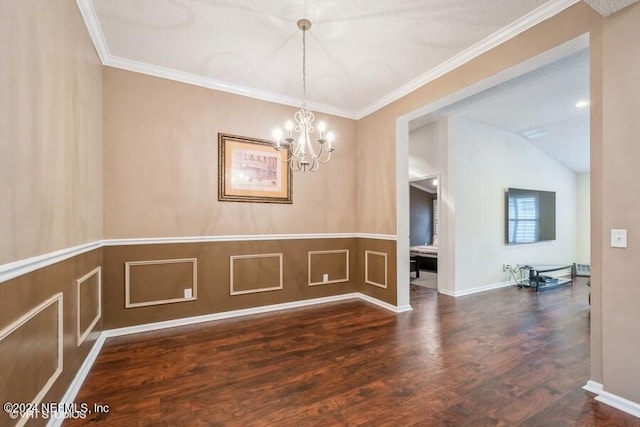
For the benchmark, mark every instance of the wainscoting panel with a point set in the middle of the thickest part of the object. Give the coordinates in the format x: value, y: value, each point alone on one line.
x: 377, y: 260
x: 375, y: 268
x: 31, y: 352
x: 231, y: 275
x: 163, y: 281
x: 250, y: 274
x: 89, y: 303
x: 39, y: 355
x: 332, y: 263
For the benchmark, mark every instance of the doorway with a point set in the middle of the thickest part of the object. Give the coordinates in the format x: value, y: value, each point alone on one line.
x: 447, y: 268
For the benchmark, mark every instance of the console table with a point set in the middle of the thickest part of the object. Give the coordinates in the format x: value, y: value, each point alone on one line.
x: 541, y: 282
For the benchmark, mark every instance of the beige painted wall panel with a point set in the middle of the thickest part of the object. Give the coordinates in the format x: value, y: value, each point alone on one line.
x: 50, y: 130
x: 161, y: 145
x: 21, y: 295
x: 214, y: 276
x: 376, y: 272
x: 89, y: 302
x: 334, y: 264
x: 376, y: 269
x: 256, y: 273
x: 29, y: 357
x: 621, y: 151
x: 160, y: 281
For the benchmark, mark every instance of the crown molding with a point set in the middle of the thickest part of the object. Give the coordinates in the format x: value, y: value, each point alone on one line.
x: 529, y: 20
x: 90, y: 18
x: 209, y: 83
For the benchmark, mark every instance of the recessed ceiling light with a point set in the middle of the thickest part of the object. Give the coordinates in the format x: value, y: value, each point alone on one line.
x: 534, y: 133
x: 582, y: 104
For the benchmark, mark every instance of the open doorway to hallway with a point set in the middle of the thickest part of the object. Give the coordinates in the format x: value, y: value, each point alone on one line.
x: 423, y: 230
x: 528, y: 131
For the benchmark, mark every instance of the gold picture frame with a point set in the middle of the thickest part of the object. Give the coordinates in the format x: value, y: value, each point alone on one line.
x: 251, y: 170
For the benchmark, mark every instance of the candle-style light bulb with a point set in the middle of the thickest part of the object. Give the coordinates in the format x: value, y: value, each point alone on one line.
x: 277, y: 135
x: 321, y: 128
x: 330, y: 138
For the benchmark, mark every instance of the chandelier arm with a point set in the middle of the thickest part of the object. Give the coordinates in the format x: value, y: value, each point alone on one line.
x: 326, y: 159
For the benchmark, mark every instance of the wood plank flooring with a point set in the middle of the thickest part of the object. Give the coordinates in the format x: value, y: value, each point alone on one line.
x: 506, y: 357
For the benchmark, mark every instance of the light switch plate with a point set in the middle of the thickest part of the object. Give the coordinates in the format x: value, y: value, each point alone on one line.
x: 618, y: 238
x: 188, y: 293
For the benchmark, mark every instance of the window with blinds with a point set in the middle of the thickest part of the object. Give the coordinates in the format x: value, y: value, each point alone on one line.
x: 524, y: 218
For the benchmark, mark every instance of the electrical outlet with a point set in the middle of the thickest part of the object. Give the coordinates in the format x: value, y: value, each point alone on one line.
x: 325, y: 277
x: 506, y: 267
x: 188, y: 293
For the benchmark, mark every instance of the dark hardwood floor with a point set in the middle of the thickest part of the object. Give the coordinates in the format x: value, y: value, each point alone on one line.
x: 506, y: 357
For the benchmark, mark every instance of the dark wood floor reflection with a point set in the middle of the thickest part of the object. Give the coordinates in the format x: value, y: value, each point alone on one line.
x: 505, y: 357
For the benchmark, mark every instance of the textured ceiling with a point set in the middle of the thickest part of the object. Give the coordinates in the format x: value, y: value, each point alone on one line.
x: 607, y: 7
x: 357, y: 51
x: 361, y: 54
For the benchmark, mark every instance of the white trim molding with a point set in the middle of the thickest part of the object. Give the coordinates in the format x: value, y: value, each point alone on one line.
x: 613, y: 400
x: 277, y: 287
x: 242, y: 238
x: 310, y: 254
x: 18, y: 268
x: 82, y: 335
x: 366, y: 269
x: 476, y: 289
x: 593, y: 387
x: 127, y: 282
x: 57, y: 298
x: 542, y: 13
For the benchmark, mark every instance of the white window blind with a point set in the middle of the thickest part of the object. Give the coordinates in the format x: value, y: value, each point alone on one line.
x: 524, y: 219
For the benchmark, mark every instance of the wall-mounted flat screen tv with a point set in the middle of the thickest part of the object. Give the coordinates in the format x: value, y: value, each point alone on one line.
x: 530, y: 216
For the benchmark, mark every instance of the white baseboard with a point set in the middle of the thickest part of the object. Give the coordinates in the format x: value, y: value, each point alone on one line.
x: 80, y: 377
x: 147, y: 327
x: 613, y: 400
x: 78, y: 380
x: 475, y: 290
x: 593, y: 387
x: 385, y: 305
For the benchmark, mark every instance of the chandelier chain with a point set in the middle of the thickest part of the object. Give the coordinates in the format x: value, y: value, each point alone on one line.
x: 304, y: 69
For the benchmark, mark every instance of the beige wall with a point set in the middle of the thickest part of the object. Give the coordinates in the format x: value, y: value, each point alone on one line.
x: 50, y: 130
x: 50, y: 192
x: 621, y: 203
x: 161, y: 169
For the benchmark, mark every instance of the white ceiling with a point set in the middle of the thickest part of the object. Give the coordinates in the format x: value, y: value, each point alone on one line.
x: 544, y: 98
x: 359, y: 52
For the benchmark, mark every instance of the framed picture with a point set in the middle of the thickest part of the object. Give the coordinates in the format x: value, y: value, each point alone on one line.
x: 251, y: 170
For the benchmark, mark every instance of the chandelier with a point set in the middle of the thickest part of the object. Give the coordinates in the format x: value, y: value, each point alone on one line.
x: 306, y: 153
